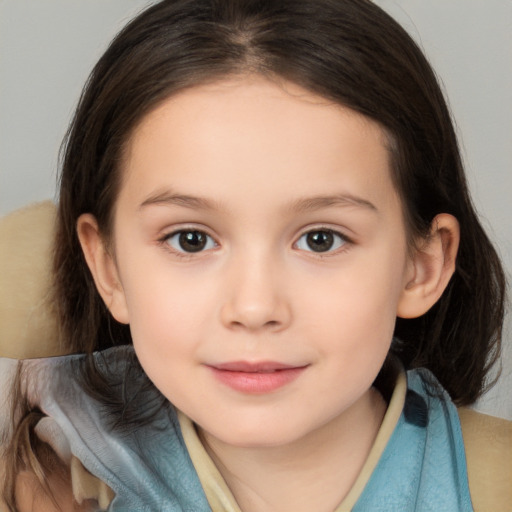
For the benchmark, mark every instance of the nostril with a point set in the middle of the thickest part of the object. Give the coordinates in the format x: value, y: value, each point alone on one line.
x: 270, y: 324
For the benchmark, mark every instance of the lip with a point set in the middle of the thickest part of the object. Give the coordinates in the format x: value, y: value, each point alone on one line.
x: 256, y: 378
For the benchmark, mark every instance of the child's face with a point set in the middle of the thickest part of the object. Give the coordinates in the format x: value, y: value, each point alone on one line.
x: 258, y: 228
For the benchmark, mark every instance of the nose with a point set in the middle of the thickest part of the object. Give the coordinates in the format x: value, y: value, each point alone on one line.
x: 255, y: 297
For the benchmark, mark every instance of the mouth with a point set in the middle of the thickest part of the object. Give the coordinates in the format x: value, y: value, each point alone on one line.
x: 248, y: 367
x: 256, y: 378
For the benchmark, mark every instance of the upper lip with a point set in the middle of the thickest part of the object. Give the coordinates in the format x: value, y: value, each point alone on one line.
x: 254, y: 367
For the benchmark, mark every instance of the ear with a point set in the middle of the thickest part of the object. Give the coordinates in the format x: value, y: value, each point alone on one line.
x: 430, y: 268
x: 102, y: 266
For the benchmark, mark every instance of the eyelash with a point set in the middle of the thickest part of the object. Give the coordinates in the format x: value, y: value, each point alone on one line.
x: 165, y: 241
x: 343, y: 242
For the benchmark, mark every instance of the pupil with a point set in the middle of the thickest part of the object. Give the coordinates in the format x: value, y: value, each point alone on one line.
x: 192, y: 241
x: 320, y: 241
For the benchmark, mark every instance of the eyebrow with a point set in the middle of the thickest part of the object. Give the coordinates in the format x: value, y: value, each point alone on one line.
x: 302, y: 205
x: 317, y: 203
x: 168, y: 198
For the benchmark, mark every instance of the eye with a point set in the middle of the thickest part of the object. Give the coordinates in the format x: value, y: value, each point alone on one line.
x: 190, y: 241
x: 321, y: 240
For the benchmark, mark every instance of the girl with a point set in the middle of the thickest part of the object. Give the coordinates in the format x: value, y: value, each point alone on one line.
x: 263, y: 219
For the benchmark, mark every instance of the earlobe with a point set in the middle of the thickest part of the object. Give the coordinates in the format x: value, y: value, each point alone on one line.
x: 430, y: 268
x: 102, y: 266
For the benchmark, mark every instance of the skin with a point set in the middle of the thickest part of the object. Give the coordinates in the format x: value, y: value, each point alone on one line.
x: 256, y: 165
x: 31, y: 496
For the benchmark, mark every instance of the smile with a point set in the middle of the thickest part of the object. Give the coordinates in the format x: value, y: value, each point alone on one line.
x: 256, y: 378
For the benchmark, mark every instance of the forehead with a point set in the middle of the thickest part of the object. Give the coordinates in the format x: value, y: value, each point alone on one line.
x: 250, y: 136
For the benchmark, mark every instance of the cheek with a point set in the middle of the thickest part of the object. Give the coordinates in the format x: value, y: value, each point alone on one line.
x: 353, y: 312
x: 166, y: 331
x: 360, y: 294
x: 168, y: 309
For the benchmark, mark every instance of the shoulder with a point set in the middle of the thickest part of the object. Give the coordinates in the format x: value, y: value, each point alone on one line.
x: 488, y: 445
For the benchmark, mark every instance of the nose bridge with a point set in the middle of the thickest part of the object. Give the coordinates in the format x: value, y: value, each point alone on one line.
x: 256, y: 297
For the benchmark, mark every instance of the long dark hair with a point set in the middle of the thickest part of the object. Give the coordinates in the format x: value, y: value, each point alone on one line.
x: 349, y: 51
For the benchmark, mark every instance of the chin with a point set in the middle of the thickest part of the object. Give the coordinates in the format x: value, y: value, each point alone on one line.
x: 261, y: 436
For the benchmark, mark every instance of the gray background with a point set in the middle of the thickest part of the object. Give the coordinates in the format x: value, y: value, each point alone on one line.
x: 47, y: 48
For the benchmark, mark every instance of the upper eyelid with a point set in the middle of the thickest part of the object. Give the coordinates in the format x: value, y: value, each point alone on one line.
x: 167, y: 233
x: 320, y: 227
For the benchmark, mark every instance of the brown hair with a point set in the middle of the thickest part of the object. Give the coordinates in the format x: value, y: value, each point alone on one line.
x: 349, y: 51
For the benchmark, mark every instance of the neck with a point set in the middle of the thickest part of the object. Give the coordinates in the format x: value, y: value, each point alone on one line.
x: 312, y: 473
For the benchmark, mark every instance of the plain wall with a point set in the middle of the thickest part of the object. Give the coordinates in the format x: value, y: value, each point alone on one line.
x: 48, y: 47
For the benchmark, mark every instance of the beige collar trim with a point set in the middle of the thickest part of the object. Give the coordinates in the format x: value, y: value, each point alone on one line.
x: 393, y: 412
x: 220, y: 497
x: 217, y: 492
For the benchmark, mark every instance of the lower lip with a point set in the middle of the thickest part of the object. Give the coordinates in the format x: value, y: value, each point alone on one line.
x: 257, y: 382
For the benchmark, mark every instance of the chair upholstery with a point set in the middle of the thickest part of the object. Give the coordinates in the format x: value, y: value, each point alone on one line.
x: 27, y: 322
